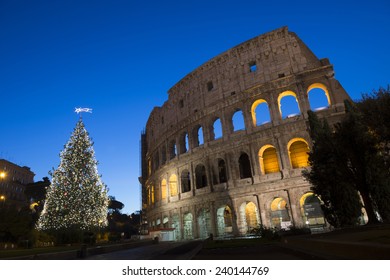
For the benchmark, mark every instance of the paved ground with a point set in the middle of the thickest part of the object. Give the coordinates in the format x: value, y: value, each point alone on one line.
x: 365, y: 243
x: 371, y: 243
x: 161, y: 251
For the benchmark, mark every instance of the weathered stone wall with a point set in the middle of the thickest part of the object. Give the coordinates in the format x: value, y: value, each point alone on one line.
x: 262, y: 70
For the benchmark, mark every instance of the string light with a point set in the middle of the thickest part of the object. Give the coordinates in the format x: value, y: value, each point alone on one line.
x: 76, y: 197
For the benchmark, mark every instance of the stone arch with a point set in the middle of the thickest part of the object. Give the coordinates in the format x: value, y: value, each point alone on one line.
x: 290, y: 107
x: 298, y: 150
x: 217, y: 129
x: 204, y: 223
x: 172, y: 149
x: 249, y: 216
x: 197, y: 136
x: 187, y: 226
x: 311, y: 210
x: 268, y: 160
x: 260, y: 112
x: 280, y: 217
x: 163, y: 155
x: 173, y: 190
x: 245, y: 166
x: 238, y: 120
x: 222, y: 171
x: 224, y: 221
x: 176, y: 226
x: 200, y: 176
x: 184, y: 145
x: 164, y: 191
x: 165, y: 222
x: 318, y: 96
x: 185, y: 180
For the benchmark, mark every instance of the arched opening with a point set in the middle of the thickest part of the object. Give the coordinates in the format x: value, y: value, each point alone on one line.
x: 163, y: 155
x: 311, y: 210
x: 318, y: 97
x: 185, y: 181
x: 280, y: 217
x: 245, y: 166
x: 288, y: 105
x: 164, y: 189
x: 152, y: 195
x: 165, y: 222
x: 222, y: 172
x: 251, y: 216
x: 268, y: 159
x: 238, y: 121
x: 197, y: 136
x: 217, y: 129
x: 224, y: 221
x: 298, y: 150
x: 184, y: 143
x: 200, y: 176
x: 176, y: 226
x: 187, y: 226
x: 204, y: 223
x: 200, y: 136
x: 172, y: 149
x: 173, y: 185
x: 260, y: 112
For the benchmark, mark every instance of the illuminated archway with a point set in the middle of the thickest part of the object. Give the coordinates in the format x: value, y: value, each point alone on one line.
x: 165, y: 222
x: 318, y: 95
x: 280, y: 217
x: 311, y: 210
x: 176, y: 226
x: 260, y: 112
x: 204, y: 223
x: 268, y: 159
x: 298, y: 150
x: 173, y: 185
x: 288, y: 104
x: 187, y: 226
x: 249, y: 217
x: 224, y: 220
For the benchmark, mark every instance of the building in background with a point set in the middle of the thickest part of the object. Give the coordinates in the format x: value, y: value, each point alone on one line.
x: 225, y: 152
x: 13, y: 182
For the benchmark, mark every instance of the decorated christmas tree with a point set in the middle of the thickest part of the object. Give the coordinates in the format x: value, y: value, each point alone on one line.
x: 76, y: 199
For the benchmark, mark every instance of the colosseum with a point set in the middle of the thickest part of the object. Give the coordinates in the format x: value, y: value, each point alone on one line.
x: 225, y: 153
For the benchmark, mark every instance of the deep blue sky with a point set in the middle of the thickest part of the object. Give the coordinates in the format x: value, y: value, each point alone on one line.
x: 121, y: 57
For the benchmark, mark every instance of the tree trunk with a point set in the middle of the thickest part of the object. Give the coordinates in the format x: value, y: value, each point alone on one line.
x: 372, y: 218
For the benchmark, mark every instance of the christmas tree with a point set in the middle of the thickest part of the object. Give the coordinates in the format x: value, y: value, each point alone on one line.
x: 76, y: 199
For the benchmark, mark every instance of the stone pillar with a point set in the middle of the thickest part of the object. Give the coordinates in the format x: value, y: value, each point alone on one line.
x: 213, y: 217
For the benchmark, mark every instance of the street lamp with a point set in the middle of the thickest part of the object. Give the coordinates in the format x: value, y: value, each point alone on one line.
x: 2, y: 199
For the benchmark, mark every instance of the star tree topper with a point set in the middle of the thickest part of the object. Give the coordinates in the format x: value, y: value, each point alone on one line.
x: 83, y: 110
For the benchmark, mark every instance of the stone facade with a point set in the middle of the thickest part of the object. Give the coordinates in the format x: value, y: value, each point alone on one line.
x: 13, y: 181
x: 207, y: 172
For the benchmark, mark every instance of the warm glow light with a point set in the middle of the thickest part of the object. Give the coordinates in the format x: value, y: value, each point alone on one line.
x: 2, y: 197
x: 2, y: 175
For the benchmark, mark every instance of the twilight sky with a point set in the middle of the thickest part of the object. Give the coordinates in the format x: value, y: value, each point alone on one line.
x: 120, y: 57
